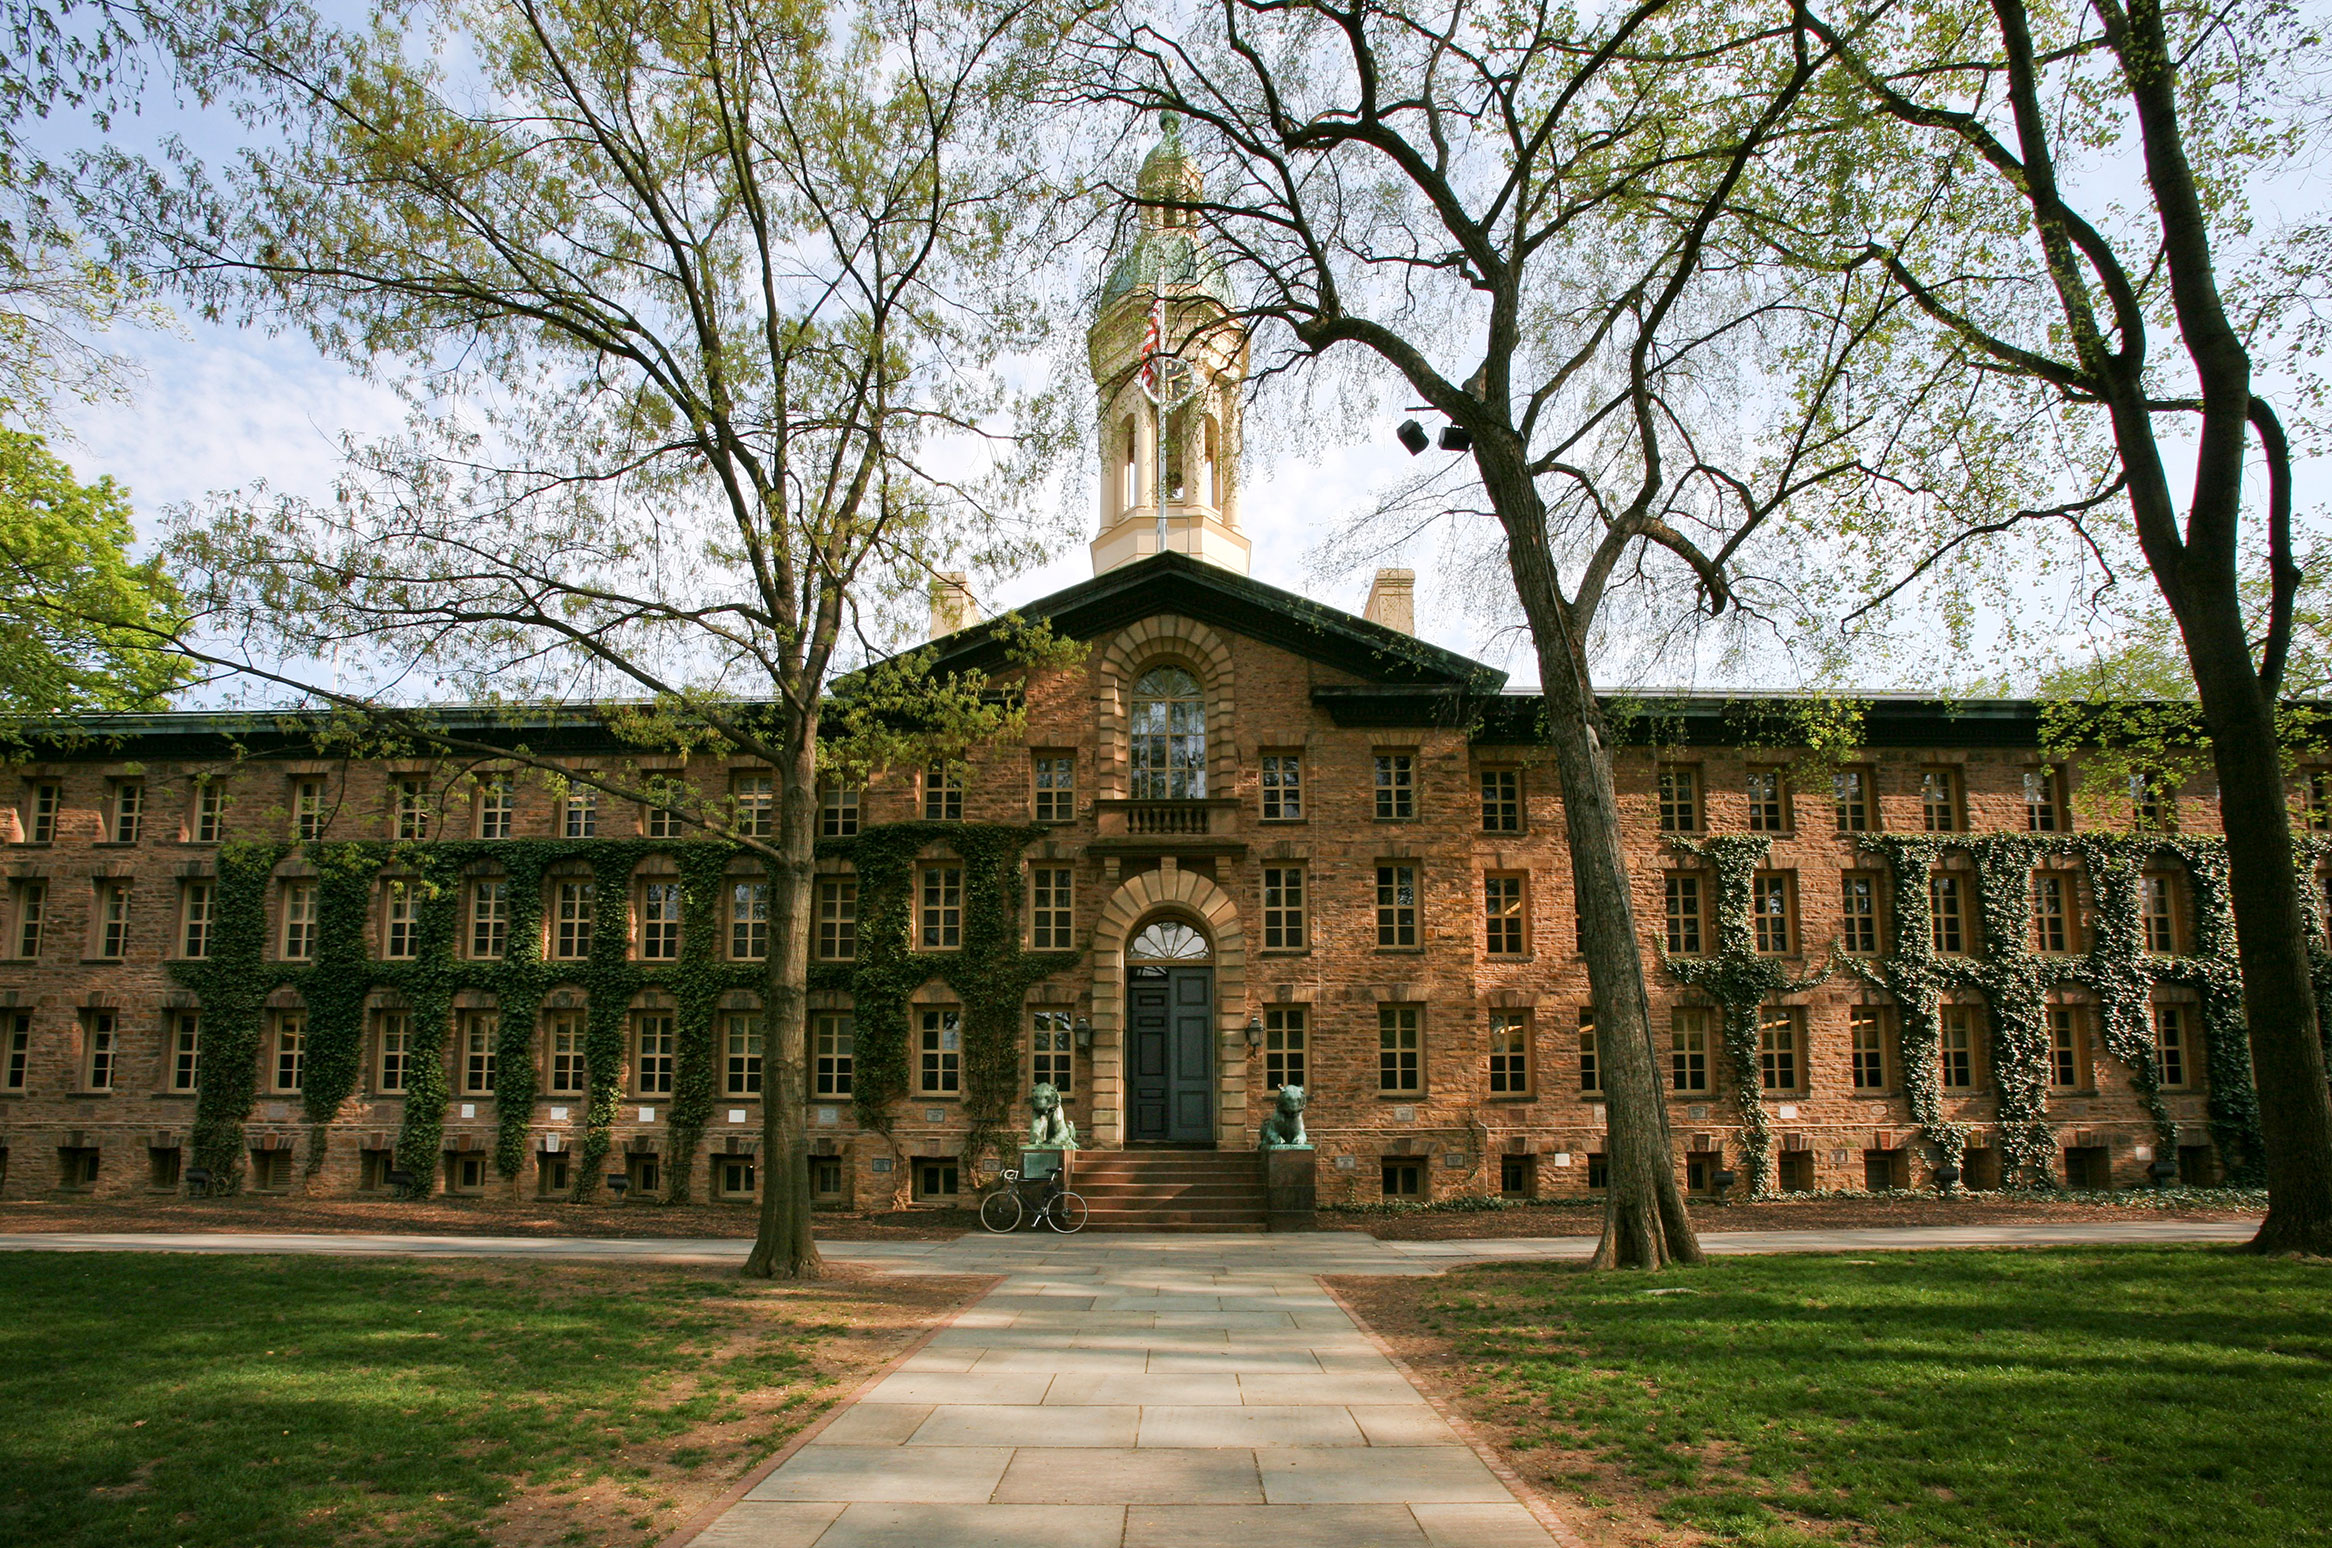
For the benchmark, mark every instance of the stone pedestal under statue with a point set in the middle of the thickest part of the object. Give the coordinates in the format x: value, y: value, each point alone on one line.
x: 1291, y: 1189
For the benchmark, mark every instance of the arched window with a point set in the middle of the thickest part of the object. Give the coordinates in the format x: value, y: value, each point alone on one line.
x: 1168, y: 737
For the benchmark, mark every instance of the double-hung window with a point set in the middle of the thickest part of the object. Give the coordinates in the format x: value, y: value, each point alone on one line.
x: 196, y: 902
x: 1284, y: 1028
x: 756, y: 803
x: 1683, y: 913
x: 1052, y: 1058
x: 1688, y: 1048
x: 102, y: 1031
x: 748, y: 921
x: 1679, y: 799
x: 940, y: 1051
x: 1283, y: 787
x: 1053, y: 778
x: 1505, y: 929
x: 832, y: 1036
x: 185, y: 1050
x: 569, y: 1063
x: 1509, y: 1053
x: 1396, y: 786
x: 489, y: 918
x: 1283, y: 908
x: 1854, y: 800
x: 838, y: 918
x: 401, y: 920
x: 497, y: 808
x: 943, y: 793
x: 1051, y: 908
x: 1946, y: 916
x: 656, y: 1047
x: 1866, y: 1036
x: 1501, y: 800
x: 1400, y: 1049
x: 1396, y: 905
x: 1768, y: 801
x: 943, y: 907
x: 660, y: 921
x: 575, y: 904
x: 480, y: 1053
x: 741, y: 1039
x: 394, y: 1038
x: 412, y: 808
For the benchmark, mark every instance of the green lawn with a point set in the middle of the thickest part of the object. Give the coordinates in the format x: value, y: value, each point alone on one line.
x: 2123, y: 1398
x: 150, y: 1399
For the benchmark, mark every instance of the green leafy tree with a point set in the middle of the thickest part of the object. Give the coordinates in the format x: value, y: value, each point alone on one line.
x: 701, y: 306
x: 2064, y: 195
x: 1510, y: 214
x: 79, y: 618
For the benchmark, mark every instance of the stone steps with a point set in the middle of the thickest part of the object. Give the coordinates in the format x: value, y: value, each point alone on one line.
x: 1169, y: 1190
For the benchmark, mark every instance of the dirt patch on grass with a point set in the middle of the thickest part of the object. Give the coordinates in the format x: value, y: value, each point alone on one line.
x: 852, y: 1323
x: 456, y: 1217
x: 1781, y: 1215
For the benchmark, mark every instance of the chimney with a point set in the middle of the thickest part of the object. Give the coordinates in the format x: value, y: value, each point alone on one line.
x: 952, y: 606
x: 1392, y: 601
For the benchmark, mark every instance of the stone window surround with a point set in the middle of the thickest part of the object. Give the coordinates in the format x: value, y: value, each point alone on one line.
x: 1163, y: 640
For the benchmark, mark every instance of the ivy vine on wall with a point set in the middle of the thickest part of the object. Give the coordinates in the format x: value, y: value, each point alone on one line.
x: 2015, y: 982
x: 1740, y: 981
x: 989, y: 976
x: 338, y: 983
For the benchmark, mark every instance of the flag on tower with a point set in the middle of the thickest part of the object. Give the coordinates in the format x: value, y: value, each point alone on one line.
x: 1153, y: 340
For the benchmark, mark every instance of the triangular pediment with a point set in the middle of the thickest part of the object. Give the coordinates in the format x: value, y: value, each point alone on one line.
x: 1172, y: 583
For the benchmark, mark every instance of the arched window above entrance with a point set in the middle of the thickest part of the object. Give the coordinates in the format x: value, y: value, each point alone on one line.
x: 1168, y: 940
x: 1167, y: 736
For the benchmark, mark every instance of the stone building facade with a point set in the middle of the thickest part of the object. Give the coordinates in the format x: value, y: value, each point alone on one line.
x: 1255, y: 841
x: 1248, y: 840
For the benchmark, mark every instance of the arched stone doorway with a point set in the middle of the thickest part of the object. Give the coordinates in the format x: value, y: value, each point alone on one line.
x: 1170, y: 897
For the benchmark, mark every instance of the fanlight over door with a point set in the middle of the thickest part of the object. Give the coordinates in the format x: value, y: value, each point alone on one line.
x: 1169, y: 940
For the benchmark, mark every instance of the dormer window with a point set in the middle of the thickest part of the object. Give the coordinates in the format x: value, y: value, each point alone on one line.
x: 1167, y: 737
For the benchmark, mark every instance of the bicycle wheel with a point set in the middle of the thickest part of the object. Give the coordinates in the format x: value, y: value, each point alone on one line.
x: 1067, y: 1213
x: 1000, y: 1211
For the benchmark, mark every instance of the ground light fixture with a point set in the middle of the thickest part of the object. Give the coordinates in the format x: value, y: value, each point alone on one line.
x: 198, y: 1177
x: 1946, y: 1178
x: 617, y: 1183
x: 400, y: 1178
x: 1723, y: 1181
x: 2163, y: 1172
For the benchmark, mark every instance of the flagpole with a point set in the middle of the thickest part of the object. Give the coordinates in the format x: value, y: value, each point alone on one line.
x: 1158, y: 400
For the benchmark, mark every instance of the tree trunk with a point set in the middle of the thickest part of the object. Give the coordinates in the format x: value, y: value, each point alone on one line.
x: 2279, y: 1001
x: 782, y: 1245
x: 1645, y: 1223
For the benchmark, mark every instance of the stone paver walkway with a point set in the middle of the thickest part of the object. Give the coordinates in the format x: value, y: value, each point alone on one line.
x: 1141, y: 1392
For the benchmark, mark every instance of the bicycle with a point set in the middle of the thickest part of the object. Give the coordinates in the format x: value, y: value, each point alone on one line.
x: 1004, y: 1209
